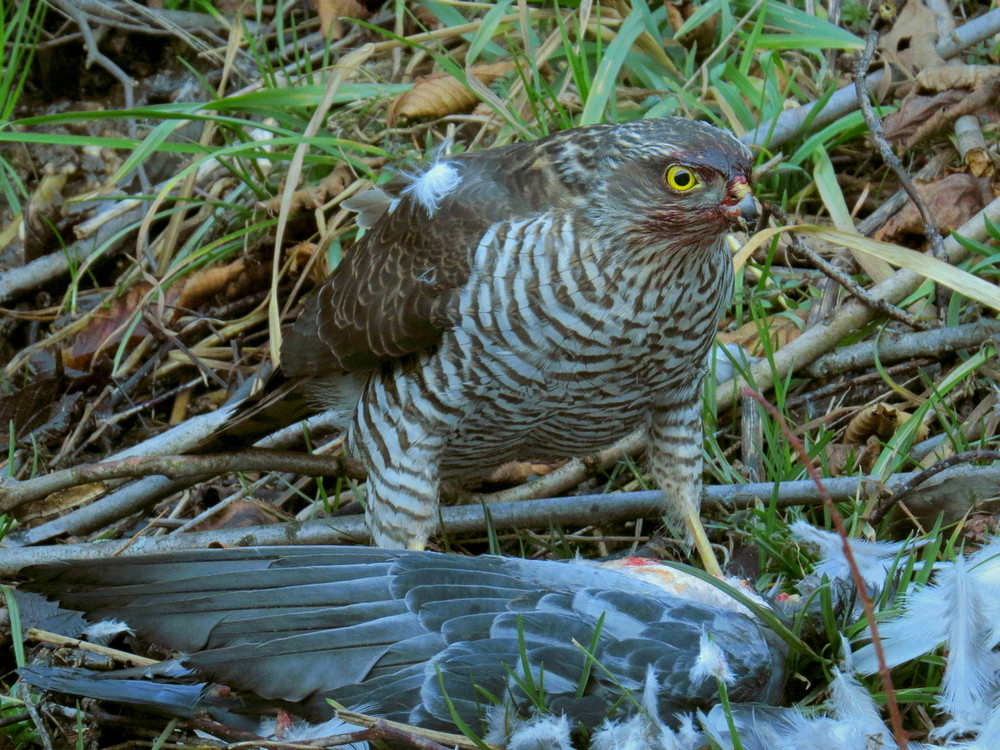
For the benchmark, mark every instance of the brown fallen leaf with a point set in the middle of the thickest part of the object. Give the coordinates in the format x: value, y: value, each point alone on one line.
x: 442, y: 94
x: 915, y: 110
x: 59, y: 502
x: 237, y: 515
x: 946, y: 77
x: 953, y: 200
x: 516, y: 472
x: 312, y: 197
x: 228, y: 282
x: 39, y: 408
x: 875, y: 420
x: 781, y: 329
x: 841, y: 457
x: 244, y: 8
x: 678, y: 12
x: 910, y: 43
x: 980, y: 101
x: 108, y: 327
x: 43, y: 215
x: 948, y: 497
x: 331, y: 11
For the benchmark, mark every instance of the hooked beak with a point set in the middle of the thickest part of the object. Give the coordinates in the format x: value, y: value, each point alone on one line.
x: 743, y: 210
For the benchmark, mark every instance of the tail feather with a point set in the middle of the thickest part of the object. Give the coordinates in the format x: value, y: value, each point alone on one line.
x: 187, y: 701
x: 279, y: 403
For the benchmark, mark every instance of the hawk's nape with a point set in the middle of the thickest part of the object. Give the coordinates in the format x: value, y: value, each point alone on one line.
x: 532, y: 301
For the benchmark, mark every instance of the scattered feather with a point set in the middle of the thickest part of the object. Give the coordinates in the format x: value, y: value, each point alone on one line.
x: 430, y: 188
x: 303, y: 731
x: 710, y: 662
x: 970, y: 673
x: 369, y: 205
x: 875, y: 559
x: 105, y: 631
x: 727, y: 357
x: 921, y: 628
x: 852, y: 706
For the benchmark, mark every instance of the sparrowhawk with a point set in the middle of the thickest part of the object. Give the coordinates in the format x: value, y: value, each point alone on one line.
x: 536, y: 300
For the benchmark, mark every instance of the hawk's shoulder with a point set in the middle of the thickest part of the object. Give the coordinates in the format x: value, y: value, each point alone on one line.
x: 394, y: 293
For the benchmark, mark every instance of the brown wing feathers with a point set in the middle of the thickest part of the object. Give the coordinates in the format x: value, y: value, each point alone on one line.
x: 394, y: 292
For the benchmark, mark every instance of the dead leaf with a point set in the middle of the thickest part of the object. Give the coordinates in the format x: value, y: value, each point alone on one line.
x: 910, y: 43
x: 946, y: 77
x: 300, y: 256
x: 237, y: 515
x: 442, y: 94
x: 980, y: 101
x: 244, y: 8
x: 331, y: 11
x: 59, y: 502
x: 312, y: 197
x: 781, y: 329
x: 678, y: 12
x: 516, y: 472
x: 228, y: 282
x: 108, y: 326
x: 841, y: 457
x: 43, y: 215
x: 915, y: 110
x: 879, y: 420
x: 953, y: 200
x: 41, y: 405
x: 949, y: 497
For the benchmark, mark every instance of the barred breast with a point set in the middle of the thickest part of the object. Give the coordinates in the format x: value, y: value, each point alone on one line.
x: 562, y: 345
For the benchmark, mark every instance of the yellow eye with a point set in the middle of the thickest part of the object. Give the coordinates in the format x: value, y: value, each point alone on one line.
x: 680, y: 178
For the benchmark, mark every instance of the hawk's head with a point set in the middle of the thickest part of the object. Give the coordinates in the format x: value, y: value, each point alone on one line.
x: 673, y: 181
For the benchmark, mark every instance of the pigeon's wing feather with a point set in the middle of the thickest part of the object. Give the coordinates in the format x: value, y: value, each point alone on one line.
x: 409, y: 632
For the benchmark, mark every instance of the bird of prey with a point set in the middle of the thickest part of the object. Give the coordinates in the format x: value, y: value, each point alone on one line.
x: 536, y: 300
x: 428, y: 639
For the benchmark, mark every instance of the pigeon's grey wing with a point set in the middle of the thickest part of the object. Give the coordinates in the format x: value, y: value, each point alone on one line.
x: 420, y: 636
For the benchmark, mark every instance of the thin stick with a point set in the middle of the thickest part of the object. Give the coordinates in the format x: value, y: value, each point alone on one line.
x: 959, y: 458
x: 859, y: 582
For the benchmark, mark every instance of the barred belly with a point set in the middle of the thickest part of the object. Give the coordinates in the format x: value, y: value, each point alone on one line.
x: 553, y: 368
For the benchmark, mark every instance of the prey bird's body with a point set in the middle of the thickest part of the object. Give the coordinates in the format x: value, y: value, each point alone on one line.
x: 429, y: 639
x: 537, y: 300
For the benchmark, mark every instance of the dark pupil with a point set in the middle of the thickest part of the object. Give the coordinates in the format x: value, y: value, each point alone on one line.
x: 682, y: 178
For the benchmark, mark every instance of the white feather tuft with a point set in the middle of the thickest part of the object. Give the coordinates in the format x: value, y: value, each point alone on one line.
x: 874, y: 559
x: 105, y: 631
x: 853, y: 708
x: 989, y: 734
x: 430, y: 188
x: 710, y: 663
x: 541, y: 733
x: 984, y: 566
x: 303, y: 731
x: 921, y: 628
x: 970, y: 672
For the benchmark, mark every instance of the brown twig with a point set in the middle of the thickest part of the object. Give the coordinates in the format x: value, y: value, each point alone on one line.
x: 423, y: 739
x: 874, y: 123
x: 14, y: 493
x: 837, y: 386
x: 890, y: 502
x: 892, y: 348
x: 853, y: 288
x: 866, y: 601
x: 463, y: 519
